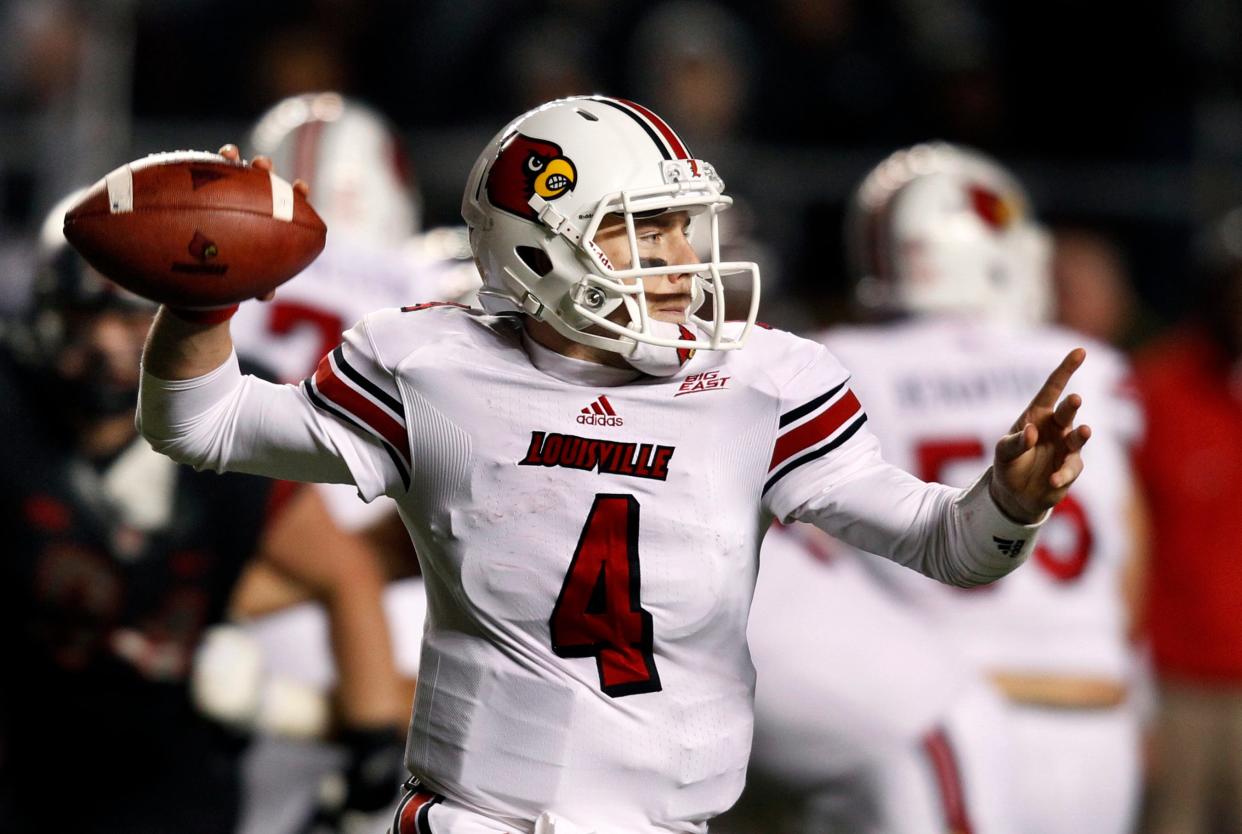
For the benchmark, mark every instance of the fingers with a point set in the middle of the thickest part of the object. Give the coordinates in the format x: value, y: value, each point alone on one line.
x: 1078, y: 438
x: 1058, y: 379
x: 263, y: 163
x: 1068, y: 473
x: 232, y: 154
x: 1066, y: 410
x: 1011, y: 446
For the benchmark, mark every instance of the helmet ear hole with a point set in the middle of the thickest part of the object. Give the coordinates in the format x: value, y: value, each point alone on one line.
x: 536, y: 259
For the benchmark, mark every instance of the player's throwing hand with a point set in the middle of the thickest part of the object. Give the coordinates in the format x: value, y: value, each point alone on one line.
x: 233, y: 154
x: 1037, y: 462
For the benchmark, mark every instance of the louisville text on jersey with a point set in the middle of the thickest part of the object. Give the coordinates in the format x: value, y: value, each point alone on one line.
x: 608, y: 457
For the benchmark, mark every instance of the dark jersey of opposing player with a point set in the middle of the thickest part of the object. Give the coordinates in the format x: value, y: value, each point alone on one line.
x: 110, y: 572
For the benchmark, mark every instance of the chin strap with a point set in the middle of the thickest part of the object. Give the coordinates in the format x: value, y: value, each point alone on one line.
x: 558, y: 223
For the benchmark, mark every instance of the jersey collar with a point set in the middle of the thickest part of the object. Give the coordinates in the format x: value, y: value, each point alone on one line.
x: 575, y: 371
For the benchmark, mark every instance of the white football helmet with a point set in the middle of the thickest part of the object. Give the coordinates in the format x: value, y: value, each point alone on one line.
x: 537, y: 196
x: 938, y: 228
x: 361, y: 180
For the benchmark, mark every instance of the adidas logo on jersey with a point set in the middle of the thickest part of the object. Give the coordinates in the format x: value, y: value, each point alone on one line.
x: 600, y: 413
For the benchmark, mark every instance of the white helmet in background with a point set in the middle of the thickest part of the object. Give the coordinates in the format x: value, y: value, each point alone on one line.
x: 938, y: 228
x: 361, y: 180
x: 537, y: 195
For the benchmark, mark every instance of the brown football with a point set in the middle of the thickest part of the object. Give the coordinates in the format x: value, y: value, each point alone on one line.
x: 193, y: 229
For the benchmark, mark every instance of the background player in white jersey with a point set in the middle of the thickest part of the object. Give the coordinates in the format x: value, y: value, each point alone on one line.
x: 866, y: 721
x: 376, y: 257
x: 584, y: 665
x: 945, y: 235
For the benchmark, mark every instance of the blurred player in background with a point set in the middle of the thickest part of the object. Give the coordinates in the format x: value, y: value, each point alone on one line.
x: 364, y: 188
x: 943, y: 236
x: 115, y: 562
x: 866, y: 721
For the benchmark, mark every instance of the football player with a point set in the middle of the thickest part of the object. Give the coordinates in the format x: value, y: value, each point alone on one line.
x: 116, y: 560
x: 587, y: 470
x: 866, y: 721
x: 375, y: 257
x: 943, y: 246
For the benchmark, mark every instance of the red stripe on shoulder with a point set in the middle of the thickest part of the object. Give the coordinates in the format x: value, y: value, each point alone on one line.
x: 341, y: 395
x: 813, y: 431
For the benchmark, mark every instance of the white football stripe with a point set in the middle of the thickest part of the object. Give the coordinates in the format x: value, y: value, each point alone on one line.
x: 282, y: 198
x: 120, y: 190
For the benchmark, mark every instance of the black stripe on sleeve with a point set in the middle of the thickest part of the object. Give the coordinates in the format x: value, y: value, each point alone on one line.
x: 326, y: 406
x: 655, y: 137
x: 806, y: 408
x: 370, y: 387
x: 818, y: 453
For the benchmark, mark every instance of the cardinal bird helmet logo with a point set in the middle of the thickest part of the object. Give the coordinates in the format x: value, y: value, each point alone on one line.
x: 526, y: 167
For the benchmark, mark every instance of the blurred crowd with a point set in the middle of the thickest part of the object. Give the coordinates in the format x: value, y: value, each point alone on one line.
x: 1126, y: 132
x: 795, y: 99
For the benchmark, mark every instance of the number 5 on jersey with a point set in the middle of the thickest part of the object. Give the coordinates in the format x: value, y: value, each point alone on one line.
x: 598, y: 613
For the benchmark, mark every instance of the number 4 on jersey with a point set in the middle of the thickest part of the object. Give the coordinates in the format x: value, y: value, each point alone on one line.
x: 598, y: 613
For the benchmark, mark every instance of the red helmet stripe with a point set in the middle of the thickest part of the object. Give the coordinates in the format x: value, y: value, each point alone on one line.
x: 305, y: 151
x: 665, y: 140
x: 679, y: 149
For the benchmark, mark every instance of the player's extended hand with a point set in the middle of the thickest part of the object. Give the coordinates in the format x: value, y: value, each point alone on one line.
x: 263, y: 163
x: 1035, y: 465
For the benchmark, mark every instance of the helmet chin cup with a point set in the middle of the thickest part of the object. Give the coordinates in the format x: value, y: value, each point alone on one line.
x: 537, y: 196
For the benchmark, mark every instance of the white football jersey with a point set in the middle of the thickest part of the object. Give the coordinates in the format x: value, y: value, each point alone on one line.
x: 291, y: 333
x: 940, y: 392
x: 589, y: 540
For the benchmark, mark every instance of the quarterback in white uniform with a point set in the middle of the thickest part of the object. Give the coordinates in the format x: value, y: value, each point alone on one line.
x: 945, y: 233
x: 587, y: 471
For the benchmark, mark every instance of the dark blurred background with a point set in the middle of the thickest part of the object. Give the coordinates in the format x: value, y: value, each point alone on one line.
x: 1125, y: 120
